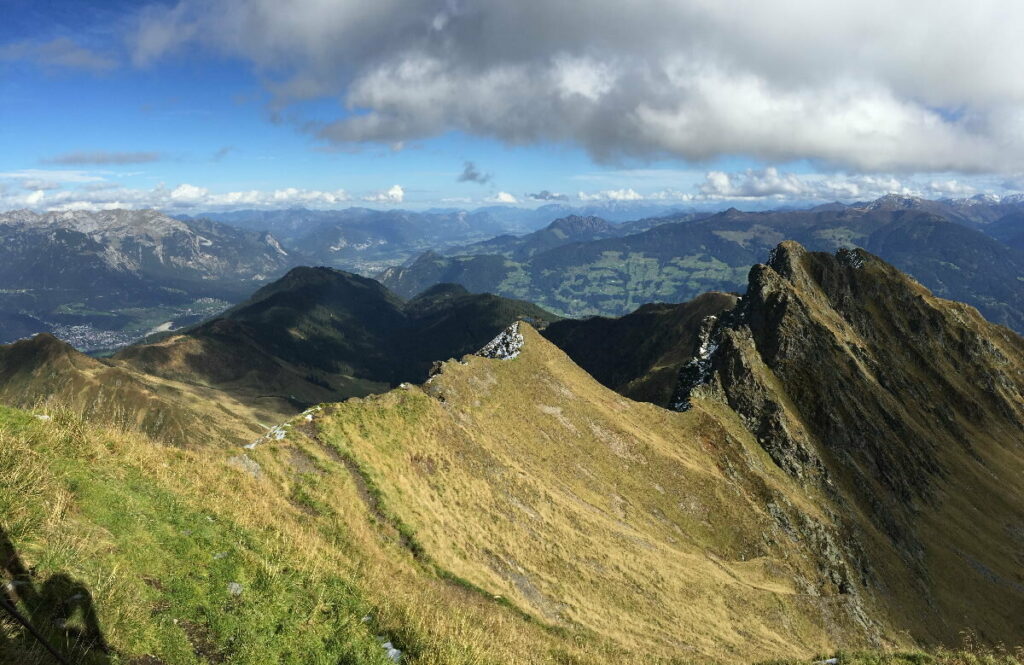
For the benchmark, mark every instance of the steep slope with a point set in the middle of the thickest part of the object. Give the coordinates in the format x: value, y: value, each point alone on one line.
x: 696, y: 535
x: 677, y: 261
x: 320, y: 334
x: 1009, y: 230
x: 639, y: 355
x: 905, y: 410
x: 16, y: 326
x: 119, y: 244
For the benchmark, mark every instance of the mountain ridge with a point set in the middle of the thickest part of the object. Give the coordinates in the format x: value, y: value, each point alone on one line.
x: 848, y: 475
x: 678, y: 261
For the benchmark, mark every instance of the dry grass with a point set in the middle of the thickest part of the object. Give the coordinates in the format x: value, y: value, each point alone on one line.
x: 505, y: 512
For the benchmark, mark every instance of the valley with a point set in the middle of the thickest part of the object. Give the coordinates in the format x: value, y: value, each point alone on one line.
x: 511, y: 332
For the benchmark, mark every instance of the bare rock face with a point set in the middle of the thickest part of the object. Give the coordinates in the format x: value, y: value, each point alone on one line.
x: 505, y: 346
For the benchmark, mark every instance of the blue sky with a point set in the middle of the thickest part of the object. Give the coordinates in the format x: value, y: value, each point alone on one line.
x: 216, y: 104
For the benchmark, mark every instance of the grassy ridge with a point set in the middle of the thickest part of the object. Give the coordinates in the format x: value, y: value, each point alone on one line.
x: 158, y: 537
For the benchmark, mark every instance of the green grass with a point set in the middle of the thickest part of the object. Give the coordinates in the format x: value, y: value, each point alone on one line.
x: 158, y: 563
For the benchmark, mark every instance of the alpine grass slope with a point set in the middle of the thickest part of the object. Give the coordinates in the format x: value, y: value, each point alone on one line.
x: 847, y: 474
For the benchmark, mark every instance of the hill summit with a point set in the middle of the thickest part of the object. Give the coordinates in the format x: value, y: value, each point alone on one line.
x: 320, y: 334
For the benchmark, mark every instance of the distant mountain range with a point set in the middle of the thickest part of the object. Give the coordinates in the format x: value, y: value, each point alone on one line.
x: 580, y: 269
x: 102, y: 280
x: 124, y: 270
x: 365, y: 240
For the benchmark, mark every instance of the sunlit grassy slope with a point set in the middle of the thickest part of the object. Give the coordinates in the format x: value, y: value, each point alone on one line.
x: 517, y: 511
x: 508, y: 511
x: 575, y: 527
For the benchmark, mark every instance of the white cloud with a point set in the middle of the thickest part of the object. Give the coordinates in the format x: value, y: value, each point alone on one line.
x: 611, y: 195
x: 865, y: 86
x: 770, y: 183
x: 394, y: 194
x: 189, y: 194
x: 502, y: 197
x: 35, y: 184
x: 182, y: 197
x: 950, y: 188
x: 55, y: 175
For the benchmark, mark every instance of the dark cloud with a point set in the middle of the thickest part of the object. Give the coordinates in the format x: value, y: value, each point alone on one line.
x: 223, y: 152
x: 470, y: 173
x: 61, y: 52
x: 545, y: 195
x: 104, y: 157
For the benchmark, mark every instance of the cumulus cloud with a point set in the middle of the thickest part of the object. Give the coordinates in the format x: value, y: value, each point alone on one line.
x: 872, y: 85
x: 951, y: 188
x: 60, y: 52
x: 611, y: 195
x: 502, y: 197
x: 103, y: 157
x: 545, y: 195
x: 394, y: 194
x: 770, y: 183
x: 470, y: 173
x: 105, y: 196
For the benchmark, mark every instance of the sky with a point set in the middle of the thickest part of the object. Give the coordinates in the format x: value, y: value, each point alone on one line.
x: 198, y: 105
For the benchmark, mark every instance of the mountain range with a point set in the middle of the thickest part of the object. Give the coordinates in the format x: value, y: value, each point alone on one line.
x: 673, y: 261
x: 124, y: 270
x: 840, y: 469
x: 123, y: 274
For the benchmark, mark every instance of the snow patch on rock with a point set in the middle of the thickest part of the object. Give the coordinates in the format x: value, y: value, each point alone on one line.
x: 505, y: 346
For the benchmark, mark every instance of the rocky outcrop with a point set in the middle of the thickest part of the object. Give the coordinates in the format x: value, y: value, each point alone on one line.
x: 883, y: 400
x: 505, y: 346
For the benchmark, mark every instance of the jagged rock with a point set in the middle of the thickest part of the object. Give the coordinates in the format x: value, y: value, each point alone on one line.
x: 505, y: 346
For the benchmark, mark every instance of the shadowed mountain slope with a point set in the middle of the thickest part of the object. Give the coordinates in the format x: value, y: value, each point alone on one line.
x: 640, y: 354
x: 44, y: 372
x: 904, y: 410
x: 805, y: 497
x: 320, y: 334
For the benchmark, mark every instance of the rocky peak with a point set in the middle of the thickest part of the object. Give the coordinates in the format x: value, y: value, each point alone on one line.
x: 895, y: 202
x: 864, y: 388
x: 841, y: 365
